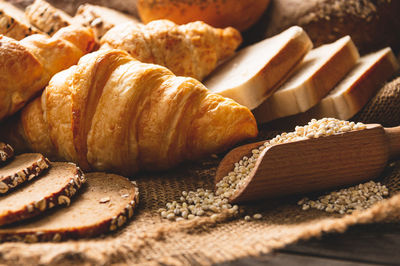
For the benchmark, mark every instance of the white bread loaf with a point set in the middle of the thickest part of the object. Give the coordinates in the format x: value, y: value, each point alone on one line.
x: 353, y: 92
x: 255, y: 72
x: 320, y: 71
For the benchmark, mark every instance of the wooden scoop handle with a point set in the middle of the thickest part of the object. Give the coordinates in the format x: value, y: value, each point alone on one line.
x: 314, y: 164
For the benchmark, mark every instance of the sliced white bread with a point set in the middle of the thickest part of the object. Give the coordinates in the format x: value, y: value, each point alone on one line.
x: 320, y: 71
x: 353, y: 92
x: 255, y: 72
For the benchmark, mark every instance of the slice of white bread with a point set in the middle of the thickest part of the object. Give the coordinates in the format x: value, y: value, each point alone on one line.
x: 255, y: 72
x: 353, y: 92
x: 320, y: 71
x: 13, y: 23
x: 46, y: 17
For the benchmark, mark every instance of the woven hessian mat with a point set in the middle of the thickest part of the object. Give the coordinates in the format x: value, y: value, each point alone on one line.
x: 148, y: 239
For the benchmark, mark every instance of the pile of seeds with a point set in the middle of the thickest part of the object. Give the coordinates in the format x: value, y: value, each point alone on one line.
x: 208, y: 203
x: 347, y: 200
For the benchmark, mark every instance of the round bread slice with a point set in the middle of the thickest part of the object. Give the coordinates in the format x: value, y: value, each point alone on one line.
x: 106, y: 203
x: 55, y: 187
x: 22, y: 168
x: 6, y: 152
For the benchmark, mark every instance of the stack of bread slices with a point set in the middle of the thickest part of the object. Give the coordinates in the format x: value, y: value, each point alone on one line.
x: 283, y: 76
x: 44, y: 201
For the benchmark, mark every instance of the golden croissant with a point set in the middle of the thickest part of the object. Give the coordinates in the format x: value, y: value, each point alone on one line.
x: 113, y: 113
x: 192, y: 50
x: 26, y: 66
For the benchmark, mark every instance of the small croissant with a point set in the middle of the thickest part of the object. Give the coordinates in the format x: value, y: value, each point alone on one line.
x: 113, y: 113
x: 192, y: 50
x: 26, y: 66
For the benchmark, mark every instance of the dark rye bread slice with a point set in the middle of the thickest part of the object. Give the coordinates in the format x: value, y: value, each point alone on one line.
x: 21, y: 168
x: 53, y: 188
x: 6, y: 152
x: 107, y: 201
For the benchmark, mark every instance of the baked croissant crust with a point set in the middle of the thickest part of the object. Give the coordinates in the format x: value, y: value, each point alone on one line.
x: 26, y: 66
x: 113, y: 113
x: 192, y: 50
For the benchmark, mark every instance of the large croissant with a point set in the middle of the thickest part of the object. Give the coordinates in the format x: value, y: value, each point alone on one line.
x: 26, y: 66
x: 113, y: 113
x: 193, y: 49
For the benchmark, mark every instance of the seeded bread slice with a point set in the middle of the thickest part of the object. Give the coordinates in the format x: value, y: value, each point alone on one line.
x: 6, y: 152
x: 100, y: 18
x: 320, y: 71
x: 22, y: 168
x: 55, y: 187
x: 106, y: 203
x: 46, y: 17
x: 13, y: 22
x: 255, y: 72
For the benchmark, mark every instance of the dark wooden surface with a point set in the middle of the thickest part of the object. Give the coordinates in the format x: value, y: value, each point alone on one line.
x: 374, y: 244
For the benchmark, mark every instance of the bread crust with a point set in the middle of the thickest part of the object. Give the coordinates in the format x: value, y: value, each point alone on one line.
x: 41, y: 57
x: 113, y: 113
x: 192, y: 50
x: 220, y: 13
x: 73, y: 180
x: 23, y: 168
x: 6, y: 152
x: 97, y: 183
x: 372, y: 24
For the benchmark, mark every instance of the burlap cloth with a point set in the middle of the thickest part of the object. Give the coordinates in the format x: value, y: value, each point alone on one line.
x: 148, y: 239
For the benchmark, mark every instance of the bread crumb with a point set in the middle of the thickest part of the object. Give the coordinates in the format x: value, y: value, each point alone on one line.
x: 105, y: 200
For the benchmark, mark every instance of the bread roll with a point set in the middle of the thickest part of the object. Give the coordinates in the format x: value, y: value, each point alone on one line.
x: 218, y: 13
x: 371, y: 24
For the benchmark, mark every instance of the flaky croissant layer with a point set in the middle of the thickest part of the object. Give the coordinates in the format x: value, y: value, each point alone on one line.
x: 113, y: 113
x: 26, y: 66
x: 192, y: 50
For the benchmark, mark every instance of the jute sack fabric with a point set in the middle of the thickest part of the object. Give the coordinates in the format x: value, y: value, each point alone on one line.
x: 148, y: 239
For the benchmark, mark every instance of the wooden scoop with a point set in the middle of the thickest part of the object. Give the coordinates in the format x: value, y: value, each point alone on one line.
x: 314, y: 164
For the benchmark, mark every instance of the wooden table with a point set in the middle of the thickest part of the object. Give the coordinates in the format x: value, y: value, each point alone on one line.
x: 374, y: 244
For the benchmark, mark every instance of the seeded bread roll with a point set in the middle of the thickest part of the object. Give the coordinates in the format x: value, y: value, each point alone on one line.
x: 55, y: 187
x: 100, y: 18
x: 46, y: 17
x: 372, y: 24
x: 107, y: 203
x: 13, y: 23
x: 22, y: 168
x: 6, y: 152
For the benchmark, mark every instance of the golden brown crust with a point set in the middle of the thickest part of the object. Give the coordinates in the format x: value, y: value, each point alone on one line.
x: 193, y: 49
x: 41, y: 57
x: 111, y: 112
x: 218, y: 13
x: 46, y: 17
x: 100, y: 18
x: 13, y: 23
